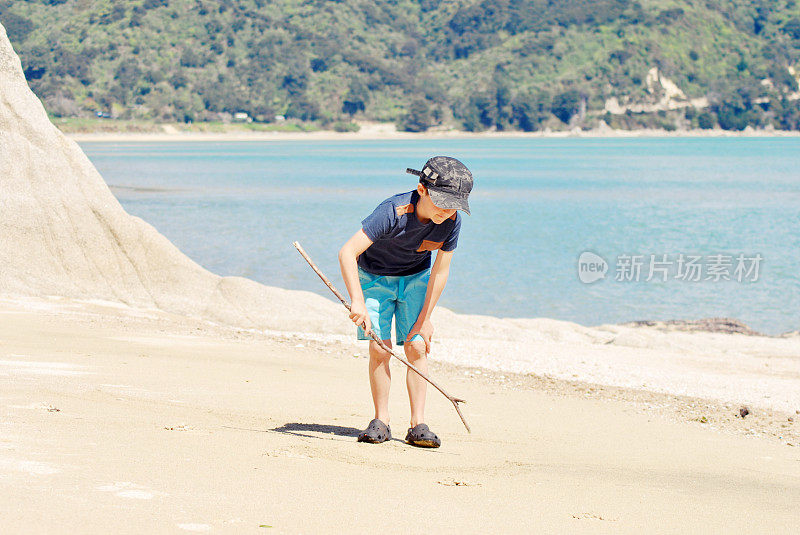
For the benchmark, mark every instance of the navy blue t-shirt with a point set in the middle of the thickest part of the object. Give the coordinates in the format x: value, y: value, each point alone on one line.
x: 401, y: 244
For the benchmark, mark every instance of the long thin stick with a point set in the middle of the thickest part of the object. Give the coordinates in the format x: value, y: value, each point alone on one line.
x: 454, y: 401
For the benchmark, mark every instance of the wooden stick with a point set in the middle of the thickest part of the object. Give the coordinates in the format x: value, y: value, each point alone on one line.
x: 454, y: 401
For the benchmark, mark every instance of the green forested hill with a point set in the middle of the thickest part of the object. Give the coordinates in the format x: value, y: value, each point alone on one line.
x: 504, y: 64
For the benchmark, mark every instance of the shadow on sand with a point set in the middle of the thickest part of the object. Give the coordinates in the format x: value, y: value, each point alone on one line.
x: 297, y: 430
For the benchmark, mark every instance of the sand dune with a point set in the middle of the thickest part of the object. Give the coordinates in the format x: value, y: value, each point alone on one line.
x: 63, y: 233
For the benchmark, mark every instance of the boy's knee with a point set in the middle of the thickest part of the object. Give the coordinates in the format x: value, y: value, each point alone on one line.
x: 415, y: 349
x: 377, y: 352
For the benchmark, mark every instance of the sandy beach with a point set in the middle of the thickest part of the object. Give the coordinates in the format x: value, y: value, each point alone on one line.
x: 388, y: 131
x: 139, y: 421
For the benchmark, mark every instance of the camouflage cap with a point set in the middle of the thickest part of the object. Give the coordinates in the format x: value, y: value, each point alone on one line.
x: 449, y: 182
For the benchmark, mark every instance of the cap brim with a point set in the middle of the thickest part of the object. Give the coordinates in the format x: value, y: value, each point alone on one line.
x: 448, y: 201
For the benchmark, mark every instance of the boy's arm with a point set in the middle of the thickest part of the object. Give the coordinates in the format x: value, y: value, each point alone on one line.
x: 356, y: 245
x: 436, y: 282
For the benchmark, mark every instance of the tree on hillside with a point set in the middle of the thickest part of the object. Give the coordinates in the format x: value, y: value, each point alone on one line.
x: 478, y: 113
x: 566, y: 105
x: 17, y: 27
x: 530, y: 110
x: 418, y: 118
x: 792, y: 27
x: 705, y: 120
x: 787, y: 114
x: 356, y: 99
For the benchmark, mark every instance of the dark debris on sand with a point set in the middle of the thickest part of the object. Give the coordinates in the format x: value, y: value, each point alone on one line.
x: 712, y: 325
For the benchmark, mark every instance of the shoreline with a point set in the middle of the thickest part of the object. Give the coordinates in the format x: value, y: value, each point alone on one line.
x: 384, y: 133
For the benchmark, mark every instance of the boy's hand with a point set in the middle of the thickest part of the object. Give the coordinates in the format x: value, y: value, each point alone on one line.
x: 425, y: 330
x: 359, y: 315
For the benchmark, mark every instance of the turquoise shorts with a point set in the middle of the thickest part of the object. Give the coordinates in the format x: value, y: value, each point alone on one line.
x: 398, y: 296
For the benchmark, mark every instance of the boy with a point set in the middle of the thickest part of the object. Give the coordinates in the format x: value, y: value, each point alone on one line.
x: 386, y: 268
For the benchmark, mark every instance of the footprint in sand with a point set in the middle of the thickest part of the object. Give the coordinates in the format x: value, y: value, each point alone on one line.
x: 286, y: 453
x: 26, y: 367
x: 195, y: 527
x: 34, y: 468
x: 451, y: 482
x: 126, y: 489
x: 592, y: 516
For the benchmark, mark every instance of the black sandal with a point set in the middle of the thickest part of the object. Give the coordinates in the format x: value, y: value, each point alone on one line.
x: 422, y: 437
x: 376, y: 432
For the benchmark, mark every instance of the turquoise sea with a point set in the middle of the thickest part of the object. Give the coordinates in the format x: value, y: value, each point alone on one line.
x: 538, y: 204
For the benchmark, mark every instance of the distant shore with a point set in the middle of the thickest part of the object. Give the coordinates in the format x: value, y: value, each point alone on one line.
x: 387, y: 131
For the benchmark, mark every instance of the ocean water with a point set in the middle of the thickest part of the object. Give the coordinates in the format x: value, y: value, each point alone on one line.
x: 537, y: 206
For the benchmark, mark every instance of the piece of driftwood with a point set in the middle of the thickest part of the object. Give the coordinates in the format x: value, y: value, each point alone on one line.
x: 371, y: 334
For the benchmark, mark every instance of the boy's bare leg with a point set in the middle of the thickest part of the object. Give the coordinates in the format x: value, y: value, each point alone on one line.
x: 380, y: 379
x: 417, y: 386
